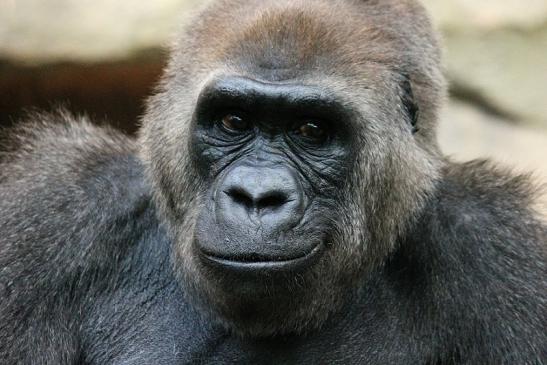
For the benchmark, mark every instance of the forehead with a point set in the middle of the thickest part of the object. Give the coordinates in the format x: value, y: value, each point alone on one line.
x: 284, y: 40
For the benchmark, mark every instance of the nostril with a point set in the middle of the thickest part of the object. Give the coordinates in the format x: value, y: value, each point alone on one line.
x: 240, y: 197
x: 274, y: 199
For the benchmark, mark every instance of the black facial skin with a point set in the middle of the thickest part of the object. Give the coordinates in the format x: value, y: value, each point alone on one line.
x: 272, y: 154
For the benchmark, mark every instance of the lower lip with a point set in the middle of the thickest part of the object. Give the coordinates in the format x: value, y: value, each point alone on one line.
x: 296, y: 264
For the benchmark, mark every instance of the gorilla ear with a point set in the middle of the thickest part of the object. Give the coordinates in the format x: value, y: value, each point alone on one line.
x: 409, y: 103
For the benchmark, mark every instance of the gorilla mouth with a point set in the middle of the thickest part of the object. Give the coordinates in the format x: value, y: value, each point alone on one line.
x: 261, y: 263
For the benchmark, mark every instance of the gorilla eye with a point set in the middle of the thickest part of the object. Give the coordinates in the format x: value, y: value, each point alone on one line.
x: 312, y: 131
x: 234, y: 123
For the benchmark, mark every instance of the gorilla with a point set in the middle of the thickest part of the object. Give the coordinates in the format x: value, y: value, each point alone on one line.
x: 286, y: 202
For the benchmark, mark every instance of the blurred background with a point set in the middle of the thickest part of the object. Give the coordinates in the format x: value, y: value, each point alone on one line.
x: 102, y: 57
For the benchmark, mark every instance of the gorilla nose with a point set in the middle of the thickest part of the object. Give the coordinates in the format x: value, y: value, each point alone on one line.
x: 258, y: 199
x: 269, y: 195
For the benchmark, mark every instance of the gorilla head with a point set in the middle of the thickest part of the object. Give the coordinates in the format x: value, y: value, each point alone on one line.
x: 291, y: 144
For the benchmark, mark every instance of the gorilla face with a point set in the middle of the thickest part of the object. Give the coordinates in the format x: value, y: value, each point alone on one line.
x: 286, y: 159
x: 273, y: 157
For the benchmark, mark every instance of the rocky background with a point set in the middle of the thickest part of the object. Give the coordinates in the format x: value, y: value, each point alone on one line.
x: 103, y: 56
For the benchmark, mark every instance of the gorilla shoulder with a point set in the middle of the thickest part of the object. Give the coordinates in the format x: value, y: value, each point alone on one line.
x: 68, y: 191
x: 479, y: 249
x: 481, y: 195
x: 485, y: 215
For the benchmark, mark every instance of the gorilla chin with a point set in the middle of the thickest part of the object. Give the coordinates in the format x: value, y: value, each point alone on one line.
x: 250, y: 279
x: 262, y: 299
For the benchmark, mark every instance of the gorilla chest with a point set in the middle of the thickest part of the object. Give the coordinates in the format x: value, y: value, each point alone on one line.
x: 166, y: 330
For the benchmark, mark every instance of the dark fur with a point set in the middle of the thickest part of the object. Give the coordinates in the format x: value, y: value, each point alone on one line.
x: 431, y: 262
